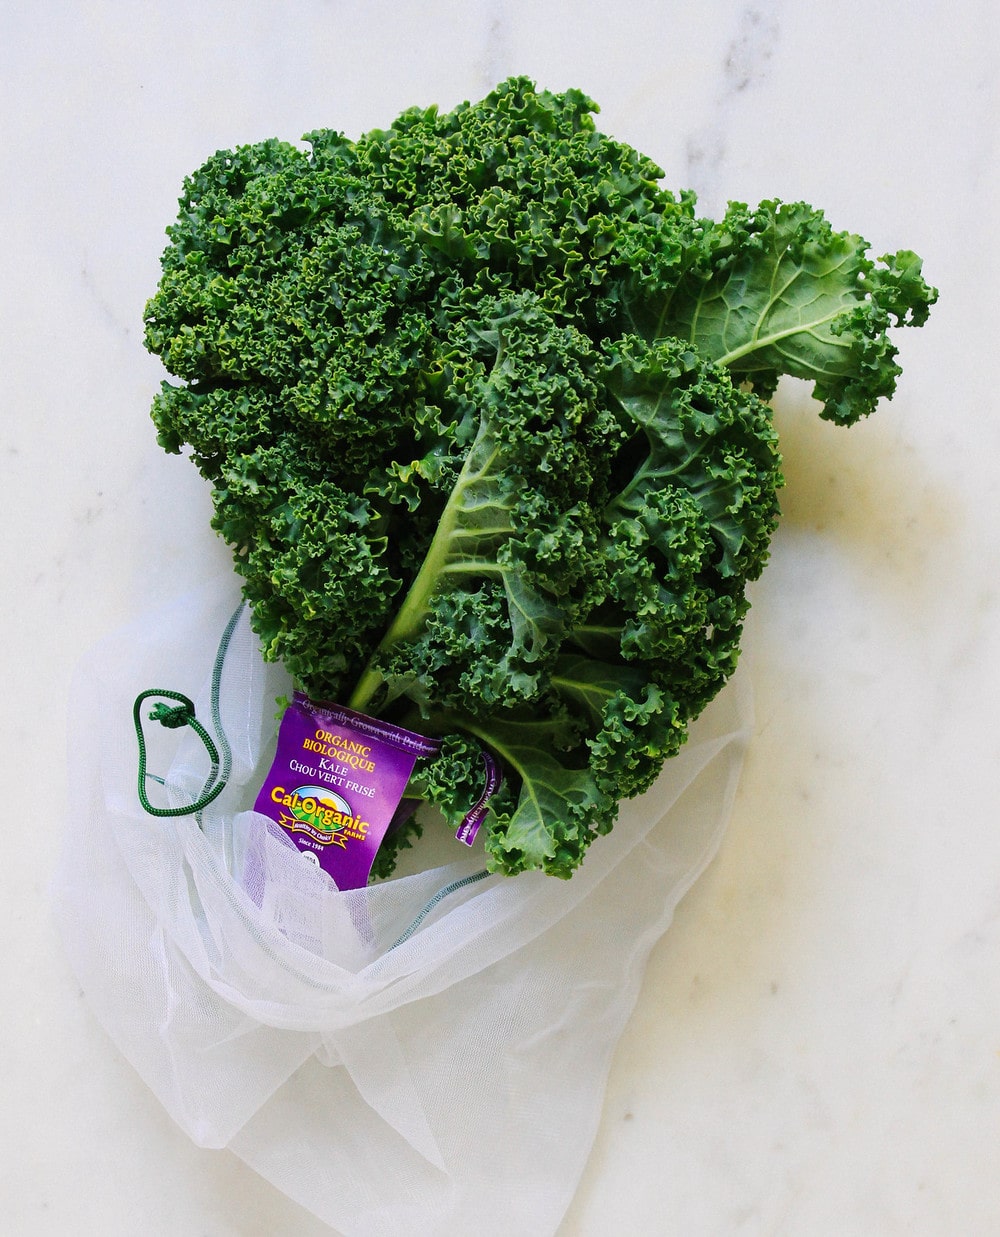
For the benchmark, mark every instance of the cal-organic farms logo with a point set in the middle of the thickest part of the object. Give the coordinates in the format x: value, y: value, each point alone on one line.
x: 320, y: 813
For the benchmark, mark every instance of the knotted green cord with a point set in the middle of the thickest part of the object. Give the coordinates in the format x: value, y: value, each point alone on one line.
x: 183, y: 714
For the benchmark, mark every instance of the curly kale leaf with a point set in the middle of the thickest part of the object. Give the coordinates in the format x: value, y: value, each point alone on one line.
x: 777, y: 291
x: 560, y: 808
x: 520, y: 191
x: 515, y: 553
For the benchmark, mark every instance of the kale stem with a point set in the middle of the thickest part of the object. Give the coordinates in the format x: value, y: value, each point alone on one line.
x: 416, y: 603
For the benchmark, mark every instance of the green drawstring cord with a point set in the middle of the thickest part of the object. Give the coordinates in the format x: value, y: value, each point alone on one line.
x: 173, y: 718
x: 438, y: 897
x: 183, y: 714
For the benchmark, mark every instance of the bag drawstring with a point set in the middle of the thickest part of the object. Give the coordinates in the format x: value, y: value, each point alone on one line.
x: 173, y: 718
x: 183, y: 714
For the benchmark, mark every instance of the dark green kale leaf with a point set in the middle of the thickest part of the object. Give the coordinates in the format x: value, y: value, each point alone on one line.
x: 777, y: 291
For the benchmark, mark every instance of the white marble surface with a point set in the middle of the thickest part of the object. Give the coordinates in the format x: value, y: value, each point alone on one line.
x: 816, y: 1050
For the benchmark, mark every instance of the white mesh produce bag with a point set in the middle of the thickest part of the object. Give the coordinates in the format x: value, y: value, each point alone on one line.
x: 426, y: 1056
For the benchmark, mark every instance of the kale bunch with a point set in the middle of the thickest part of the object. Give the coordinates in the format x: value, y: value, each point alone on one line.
x: 482, y: 406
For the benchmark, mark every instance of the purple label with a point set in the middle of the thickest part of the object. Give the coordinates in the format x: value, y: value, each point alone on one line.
x: 336, y: 782
x: 469, y: 827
